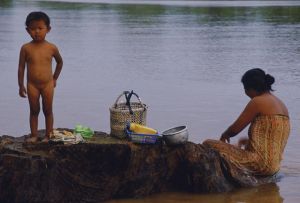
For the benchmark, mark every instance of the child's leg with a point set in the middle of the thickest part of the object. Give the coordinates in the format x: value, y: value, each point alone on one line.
x: 34, y: 103
x: 47, y: 99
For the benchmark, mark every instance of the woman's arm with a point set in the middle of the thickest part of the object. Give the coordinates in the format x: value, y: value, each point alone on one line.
x: 248, y: 114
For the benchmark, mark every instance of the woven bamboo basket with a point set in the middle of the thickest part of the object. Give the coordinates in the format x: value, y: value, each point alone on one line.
x: 123, y: 112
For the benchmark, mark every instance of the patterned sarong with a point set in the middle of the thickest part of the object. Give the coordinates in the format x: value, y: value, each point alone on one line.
x: 268, y: 136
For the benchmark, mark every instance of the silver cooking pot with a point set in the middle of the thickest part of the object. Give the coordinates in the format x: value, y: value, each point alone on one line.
x: 176, y: 135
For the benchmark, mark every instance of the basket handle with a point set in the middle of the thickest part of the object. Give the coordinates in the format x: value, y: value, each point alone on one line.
x: 128, y: 96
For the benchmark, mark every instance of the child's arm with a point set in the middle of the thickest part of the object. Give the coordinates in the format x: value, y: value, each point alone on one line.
x: 21, y: 70
x: 59, y: 65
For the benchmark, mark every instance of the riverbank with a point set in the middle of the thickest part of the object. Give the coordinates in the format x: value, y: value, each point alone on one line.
x: 105, y: 168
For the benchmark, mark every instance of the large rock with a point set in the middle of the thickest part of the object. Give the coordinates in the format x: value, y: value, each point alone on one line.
x: 106, y: 168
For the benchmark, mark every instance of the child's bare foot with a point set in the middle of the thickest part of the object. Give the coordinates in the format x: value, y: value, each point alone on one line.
x: 45, y: 140
x: 33, y: 139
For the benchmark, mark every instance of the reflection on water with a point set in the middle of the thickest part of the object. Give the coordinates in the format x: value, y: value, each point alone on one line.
x: 184, y: 58
x: 262, y: 194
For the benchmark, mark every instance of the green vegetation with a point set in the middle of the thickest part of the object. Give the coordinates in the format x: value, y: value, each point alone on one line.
x: 202, y: 14
x: 5, y: 3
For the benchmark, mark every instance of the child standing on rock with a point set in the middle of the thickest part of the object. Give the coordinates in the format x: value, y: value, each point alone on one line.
x: 36, y: 56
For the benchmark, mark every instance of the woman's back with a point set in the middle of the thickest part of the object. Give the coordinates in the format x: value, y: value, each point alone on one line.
x: 269, y: 104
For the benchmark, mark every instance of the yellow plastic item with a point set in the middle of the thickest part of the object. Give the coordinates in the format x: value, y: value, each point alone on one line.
x: 141, y: 129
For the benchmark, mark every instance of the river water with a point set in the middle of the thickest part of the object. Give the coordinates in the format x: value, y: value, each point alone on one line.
x: 184, y: 59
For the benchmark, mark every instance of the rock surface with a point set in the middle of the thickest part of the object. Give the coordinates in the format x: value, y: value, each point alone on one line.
x: 104, y: 168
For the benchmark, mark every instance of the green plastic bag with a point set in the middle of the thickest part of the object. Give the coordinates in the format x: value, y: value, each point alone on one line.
x: 85, y: 132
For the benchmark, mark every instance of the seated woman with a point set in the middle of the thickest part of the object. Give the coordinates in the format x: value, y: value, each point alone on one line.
x: 268, y: 132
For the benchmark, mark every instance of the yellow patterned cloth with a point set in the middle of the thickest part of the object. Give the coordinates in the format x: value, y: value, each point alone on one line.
x: 268, y: 136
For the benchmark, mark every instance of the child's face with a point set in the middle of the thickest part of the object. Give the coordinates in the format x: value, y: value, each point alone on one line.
x: 38, y: 29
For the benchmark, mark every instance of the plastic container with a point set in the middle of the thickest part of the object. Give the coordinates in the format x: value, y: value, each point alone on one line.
x: 141, y: 129
x: 142, y: 138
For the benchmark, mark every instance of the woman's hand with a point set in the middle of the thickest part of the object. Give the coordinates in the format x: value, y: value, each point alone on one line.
x: 243, y: 142
x: 225, y: 138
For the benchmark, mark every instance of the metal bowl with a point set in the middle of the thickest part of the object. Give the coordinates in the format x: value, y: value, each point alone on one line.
x: 175, y: 136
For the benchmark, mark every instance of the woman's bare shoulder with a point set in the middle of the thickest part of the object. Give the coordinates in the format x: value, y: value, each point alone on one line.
x: 270, y: 104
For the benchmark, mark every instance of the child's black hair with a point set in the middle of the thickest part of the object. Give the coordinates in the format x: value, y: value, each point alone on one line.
x: 37, y: 15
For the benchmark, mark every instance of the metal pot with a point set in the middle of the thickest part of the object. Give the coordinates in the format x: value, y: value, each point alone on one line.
x: 176, y: 135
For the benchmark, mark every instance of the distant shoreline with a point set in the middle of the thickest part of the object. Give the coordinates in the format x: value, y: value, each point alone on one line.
x: 205, y: 3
